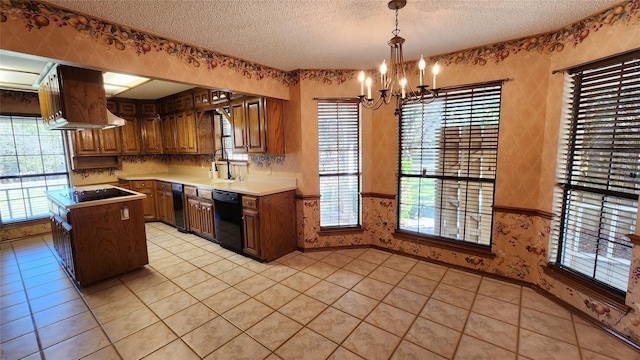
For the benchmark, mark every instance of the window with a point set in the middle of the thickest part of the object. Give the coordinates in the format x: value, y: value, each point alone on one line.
x: 32, y: 160
x: 339, y: 161
x: 598, y: 171
x: 448, y: 151
x: 227, y: 140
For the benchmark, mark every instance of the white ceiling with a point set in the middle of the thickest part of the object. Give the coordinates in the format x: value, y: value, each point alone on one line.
x: 337, y: 34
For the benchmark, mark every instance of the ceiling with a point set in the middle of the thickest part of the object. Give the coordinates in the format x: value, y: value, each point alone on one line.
x: 315, y: 34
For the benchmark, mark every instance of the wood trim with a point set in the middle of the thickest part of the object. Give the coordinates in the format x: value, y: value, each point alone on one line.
x: 378, y: 195
x: 341, y: 231
x: 452, y: 245
x: 307, y: 197
x: 607, y: 296
x: 635, y: 239
x: 523, y: 211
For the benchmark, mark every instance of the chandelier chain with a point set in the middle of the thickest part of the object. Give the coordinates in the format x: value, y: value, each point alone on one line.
x: 396, y: 31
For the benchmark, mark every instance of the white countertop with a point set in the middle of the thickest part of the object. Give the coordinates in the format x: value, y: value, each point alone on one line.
x: 257, y: 186
x: 64, y: 197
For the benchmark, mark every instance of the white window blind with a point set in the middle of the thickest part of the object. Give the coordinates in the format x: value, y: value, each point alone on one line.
x: 339, y: 162
x: 32, y: 160
x: 448, y: 152
x: 598, y: 171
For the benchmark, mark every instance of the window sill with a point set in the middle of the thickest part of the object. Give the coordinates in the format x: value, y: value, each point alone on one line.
x: 609, y: 297
x: 453, y: 245
x: 336, y: 231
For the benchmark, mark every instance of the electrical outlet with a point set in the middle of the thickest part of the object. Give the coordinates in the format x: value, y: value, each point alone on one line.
x: 124, y: 213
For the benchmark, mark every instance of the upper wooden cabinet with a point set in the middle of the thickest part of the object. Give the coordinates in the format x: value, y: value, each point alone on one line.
x: 96, y: 142
x: 258, y: 126
x: 186, y: 132
x: 151, y: 128
x: 130, y: 135
x: 128, y: 108
x: 169, y: 134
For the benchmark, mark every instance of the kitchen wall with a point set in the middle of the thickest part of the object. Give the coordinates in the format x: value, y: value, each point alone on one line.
x: 530, y: 113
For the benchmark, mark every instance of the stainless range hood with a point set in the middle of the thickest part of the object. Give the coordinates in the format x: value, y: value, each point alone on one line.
x: 74, y: 99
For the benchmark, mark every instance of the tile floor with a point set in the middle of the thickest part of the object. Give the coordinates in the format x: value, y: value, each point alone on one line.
x: 197, y: 300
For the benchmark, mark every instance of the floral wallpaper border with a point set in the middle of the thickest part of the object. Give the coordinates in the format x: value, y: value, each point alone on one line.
x: 37, y: 15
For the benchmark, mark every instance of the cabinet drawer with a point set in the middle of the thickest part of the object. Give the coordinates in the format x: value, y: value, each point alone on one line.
x: 250, y: 202
x: 205, y: 194
x: 124, y: 184
x: 142, y: 184
x: 190, y: 191
x: 164, y: 186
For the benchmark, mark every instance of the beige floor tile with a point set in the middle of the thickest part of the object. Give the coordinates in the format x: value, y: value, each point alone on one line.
x: 239, y: 259
x: 334, y: 324
x: 14, y: 312
x: 538, y: 346
x: 59, y: 312
x: 235, y: 275
x: 317, y: 255
x: 258, y: 267
x: 172, y: 304
x: 99, y: 286
x: 549, y: 325
x: 346, y: 279
x: 298, y: 262
x: 179, y: 269
x: 387, y: 275
x: 454, y: 296
x: 337, y: 259
x: 54, y: 299
x: 165, y: 261
x: 192, y: 253
x: 45, y: 278
x: 126, y: 325
x: 491, y: 330
x: 343, y: 354
x: 580, y: 320
x: 590, y: 355
x: 400, y: 263
x: 433, y: 337
x: 501, y: 290
x: 374, y: 256
x: 254, y: 285
x: 207, y: 288
x: 78, y: 346
x: 307, y: 345
x: 355, y: 252
x: 278, y: 272
x: 418, y: 284
x: 535, y: 301
x: 220, y: 267
x: 67, y: 328
x: 247, y: 314
x: 497, y: 309
x: 114, y: 310
x: 12, y: 299
x: 145, y: 341
x: 326, y: 292
x: 176, y: 349
x: 276, y: 296
x: 405, y: 299
x: 190, y: 318
x: 300, y: 281
x: 445, y: 314
x: 320, y: 269
x: 373, y: 288
x: 106, y: 353
x: 16, y: 328
x: 594, y: 339
x: 462, y: 280
x: 303, y: 309
x: 391, y: 319
x: 361, y: 267
x: 274, y: 330
x: 225, y: 300
x: 192, y: 278
x: 428, y: 270
x: 371, y: 342
x: 356, y: 304
x: 210, y: 336
x: 409, y: 351
x: 158, y: 292
x: 11, y: 287
x: 108, y: 295
x: 20, y: 347
x: 471, y: 348
x: 242, y: 347
x: 204, y: 260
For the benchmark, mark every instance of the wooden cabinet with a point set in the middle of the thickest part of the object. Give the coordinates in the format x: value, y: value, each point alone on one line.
x: 200, y: 212
x: 269, y: 225
x: 151, y: 128
x: 63, y: 243
x: 169, y: 134
x: 186, y: 132
x: 92, y: 142
x: 147, y: 187
x: 130, y: 135
x: 258, y: 126
x: 127, y: 108
x: 165, y: 203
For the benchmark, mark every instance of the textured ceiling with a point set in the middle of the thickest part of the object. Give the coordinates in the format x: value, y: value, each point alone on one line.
x: 337, y: 34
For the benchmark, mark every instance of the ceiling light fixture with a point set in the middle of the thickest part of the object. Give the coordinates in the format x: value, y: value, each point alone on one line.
x: 393, y: 79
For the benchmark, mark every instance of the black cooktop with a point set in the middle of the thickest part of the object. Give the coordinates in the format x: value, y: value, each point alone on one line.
x: 97, y: 194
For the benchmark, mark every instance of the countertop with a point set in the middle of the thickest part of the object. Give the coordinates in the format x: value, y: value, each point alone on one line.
x: 64, y: 197
x: 256, y: 186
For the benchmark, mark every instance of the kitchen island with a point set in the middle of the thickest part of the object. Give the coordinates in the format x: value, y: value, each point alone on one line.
x: 98, y: 231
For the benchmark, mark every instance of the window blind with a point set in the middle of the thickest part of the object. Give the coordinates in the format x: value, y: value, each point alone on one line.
x: 599, y: 168
x: 448, y: 157
x: 339, y: 162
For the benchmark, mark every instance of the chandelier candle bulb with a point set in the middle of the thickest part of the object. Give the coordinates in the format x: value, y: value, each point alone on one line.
x: 369, y: 88
x: 403, y: 83
x: 421, y: 65
x: 435, y: 70
x: 383, y: 73
x: 361, y: 79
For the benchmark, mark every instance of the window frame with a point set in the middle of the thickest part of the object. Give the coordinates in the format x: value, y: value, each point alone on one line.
x: 354, y: 105
x: 439, y: 240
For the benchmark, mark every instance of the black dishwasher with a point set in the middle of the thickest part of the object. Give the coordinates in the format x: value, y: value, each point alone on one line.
x: 178, y: 207
x: 228, y: 219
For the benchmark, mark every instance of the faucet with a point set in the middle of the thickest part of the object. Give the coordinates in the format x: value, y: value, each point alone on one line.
x: 225, y: 156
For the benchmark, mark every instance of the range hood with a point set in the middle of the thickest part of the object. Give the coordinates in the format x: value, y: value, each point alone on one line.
x: 74, y: 99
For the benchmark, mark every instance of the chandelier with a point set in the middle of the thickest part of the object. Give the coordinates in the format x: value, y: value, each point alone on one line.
x: 393, y: 79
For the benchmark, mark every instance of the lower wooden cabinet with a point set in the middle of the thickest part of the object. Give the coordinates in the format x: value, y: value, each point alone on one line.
x: 148, y: 188
x: 200, y: 212
x: 269, y: 225
x: 165, y: 203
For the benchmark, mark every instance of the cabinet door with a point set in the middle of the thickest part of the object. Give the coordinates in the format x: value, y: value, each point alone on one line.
x: 170, y: 215
x: 255, y: 126
x: 169, y: 141
x: 186, y: 126
x: 110, y: 141
x: 86, y: 142
x: 206, y: 219
x: 151, y: 135
x: 251, y: 232
x: 127, y: 108
x: 148, y: 109
x: 130, y: 134
x: 193, y: 215
x: 239, y: 126
x: 149, y: 204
